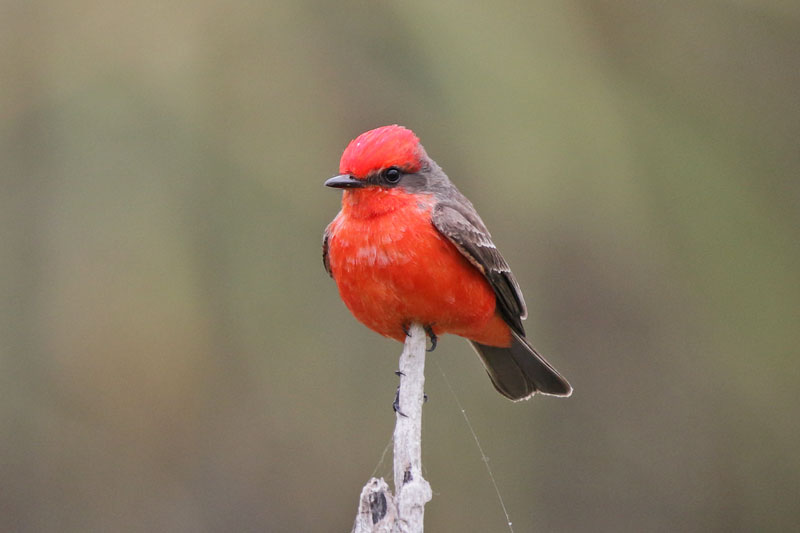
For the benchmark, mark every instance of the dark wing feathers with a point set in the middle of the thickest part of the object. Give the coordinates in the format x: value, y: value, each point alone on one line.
x: 325, y: 261
x: 459, y: 222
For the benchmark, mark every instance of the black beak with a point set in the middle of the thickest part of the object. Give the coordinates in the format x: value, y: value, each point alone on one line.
x: 345, y: 181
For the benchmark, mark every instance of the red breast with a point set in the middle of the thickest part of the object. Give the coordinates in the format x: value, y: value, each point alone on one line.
x: 393, y: 267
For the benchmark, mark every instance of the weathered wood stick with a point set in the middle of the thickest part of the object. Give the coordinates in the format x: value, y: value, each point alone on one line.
x: 378, y: 510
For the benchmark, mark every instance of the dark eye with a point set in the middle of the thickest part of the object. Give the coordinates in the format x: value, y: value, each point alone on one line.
x: 392, y: 175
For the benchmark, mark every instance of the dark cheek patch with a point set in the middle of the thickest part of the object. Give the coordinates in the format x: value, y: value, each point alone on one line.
x: 414, y: 183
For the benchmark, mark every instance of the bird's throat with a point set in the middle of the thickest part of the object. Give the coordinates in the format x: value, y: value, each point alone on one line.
x: 371, y: 202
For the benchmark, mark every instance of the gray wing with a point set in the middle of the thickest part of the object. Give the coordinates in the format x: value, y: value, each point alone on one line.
x: 460, y: 223
x: 325, y: 262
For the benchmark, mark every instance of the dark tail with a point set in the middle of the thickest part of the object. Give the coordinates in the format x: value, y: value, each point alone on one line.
x: 518, y: 372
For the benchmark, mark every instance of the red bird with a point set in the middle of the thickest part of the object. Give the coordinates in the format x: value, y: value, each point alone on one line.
x: 408, y: 247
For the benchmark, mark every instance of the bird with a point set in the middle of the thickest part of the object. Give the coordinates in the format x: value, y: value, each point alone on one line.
x: 408, y: 247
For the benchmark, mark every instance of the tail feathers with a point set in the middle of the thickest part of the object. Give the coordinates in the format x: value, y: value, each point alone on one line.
x: 518, y: 372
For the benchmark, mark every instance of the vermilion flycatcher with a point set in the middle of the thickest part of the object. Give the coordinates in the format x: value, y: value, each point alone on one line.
x: 407, y: 247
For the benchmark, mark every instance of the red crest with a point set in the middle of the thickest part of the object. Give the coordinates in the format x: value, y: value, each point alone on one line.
x: 381, y: 148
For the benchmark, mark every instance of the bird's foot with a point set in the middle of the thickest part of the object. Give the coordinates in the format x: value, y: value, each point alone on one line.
x: 432, y: 335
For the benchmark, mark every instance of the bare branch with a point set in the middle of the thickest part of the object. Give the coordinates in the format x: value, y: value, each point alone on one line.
x: 378, y: 510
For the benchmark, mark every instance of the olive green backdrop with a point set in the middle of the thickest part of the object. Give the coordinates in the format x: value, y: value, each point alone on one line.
x: 174, y: 358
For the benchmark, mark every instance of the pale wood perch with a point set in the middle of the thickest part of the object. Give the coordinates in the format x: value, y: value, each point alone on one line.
x: 378, y: 510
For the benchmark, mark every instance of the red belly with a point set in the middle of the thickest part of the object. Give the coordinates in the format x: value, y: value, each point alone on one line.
x: 396, y: 269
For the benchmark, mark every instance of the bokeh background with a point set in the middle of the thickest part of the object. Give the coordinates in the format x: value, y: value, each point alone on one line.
x: 174, y: 357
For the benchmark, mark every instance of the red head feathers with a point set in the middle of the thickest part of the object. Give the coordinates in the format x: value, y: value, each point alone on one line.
x: 381, y: 148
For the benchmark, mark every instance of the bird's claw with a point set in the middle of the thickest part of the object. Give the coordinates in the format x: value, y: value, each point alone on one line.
x: 432, y: 335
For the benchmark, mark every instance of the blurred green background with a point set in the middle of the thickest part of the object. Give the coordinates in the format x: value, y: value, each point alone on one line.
x: 174, y: 357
